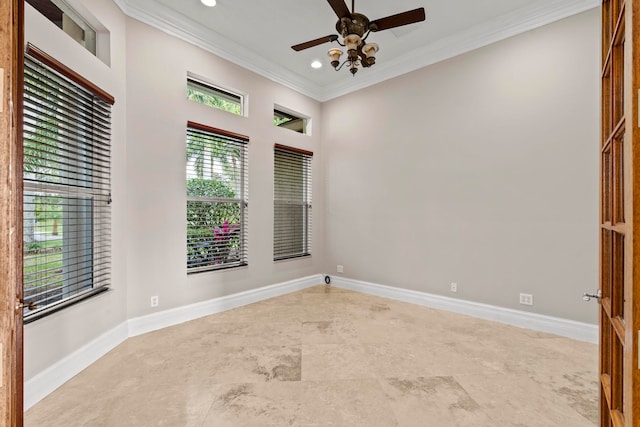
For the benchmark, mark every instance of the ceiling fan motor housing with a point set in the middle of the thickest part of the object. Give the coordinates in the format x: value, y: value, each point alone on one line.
x: 357, y: 24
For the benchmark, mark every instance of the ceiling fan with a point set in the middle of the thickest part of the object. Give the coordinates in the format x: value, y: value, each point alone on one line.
x: 354, y: 29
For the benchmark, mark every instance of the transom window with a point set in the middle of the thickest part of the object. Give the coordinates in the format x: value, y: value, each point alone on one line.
x: 217, y: 204
x: 289, y: 120
x: 68, y: 20
x: 212, y: 96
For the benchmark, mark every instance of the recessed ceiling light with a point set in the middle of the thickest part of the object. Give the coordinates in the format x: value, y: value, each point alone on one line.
x: 316, y: 64
x: 209, y: 3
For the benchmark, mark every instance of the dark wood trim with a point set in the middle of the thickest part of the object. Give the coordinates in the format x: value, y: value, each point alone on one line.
x: 50, y: 61
x: 18, y: 245
x: 12, y: 63
x: 632, y: 193
x: 293, y: 150
x: 619, y: 272
x: 205, y: 128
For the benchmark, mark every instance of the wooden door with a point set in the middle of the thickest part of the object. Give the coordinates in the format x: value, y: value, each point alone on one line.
x: 620, y: 213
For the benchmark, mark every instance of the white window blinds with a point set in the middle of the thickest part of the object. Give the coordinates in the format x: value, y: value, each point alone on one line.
x: 217, y: 198
x: 292, y: 203
x: 67, y: 215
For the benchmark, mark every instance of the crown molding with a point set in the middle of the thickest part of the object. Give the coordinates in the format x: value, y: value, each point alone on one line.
x: 178, y: 25
x: 500, y: 28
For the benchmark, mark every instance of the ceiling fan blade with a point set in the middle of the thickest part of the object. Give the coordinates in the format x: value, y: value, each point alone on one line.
x: 398, y: 20
x: 316, y: 42
x: 340, y: 8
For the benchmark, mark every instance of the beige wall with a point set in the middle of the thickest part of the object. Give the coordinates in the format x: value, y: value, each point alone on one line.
x: 158, y: 112
x: 480, y: 170
x: 147, y: 76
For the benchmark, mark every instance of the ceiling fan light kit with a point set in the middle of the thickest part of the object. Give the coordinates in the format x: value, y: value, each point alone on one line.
x: 354, y: 29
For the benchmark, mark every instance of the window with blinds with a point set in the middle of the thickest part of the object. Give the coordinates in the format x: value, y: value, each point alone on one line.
x: 292, y: 203
x: 217, y: 194
x: 67, y: 226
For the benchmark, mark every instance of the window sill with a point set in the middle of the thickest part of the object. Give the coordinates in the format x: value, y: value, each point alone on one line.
x: 54, y: 308
x: 292, y: 258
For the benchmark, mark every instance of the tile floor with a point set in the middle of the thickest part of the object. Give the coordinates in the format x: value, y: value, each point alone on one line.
x: 330, y: 357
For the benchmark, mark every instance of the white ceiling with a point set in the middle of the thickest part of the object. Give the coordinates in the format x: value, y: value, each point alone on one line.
x: 258, y: 34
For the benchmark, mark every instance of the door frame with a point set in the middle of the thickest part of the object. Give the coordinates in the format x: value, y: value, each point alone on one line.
x: 619, y: 312
x: 11, y: 327
x: 632, y: 111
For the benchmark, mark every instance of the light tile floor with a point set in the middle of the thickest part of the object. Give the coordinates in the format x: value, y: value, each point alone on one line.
x: 330, y: 357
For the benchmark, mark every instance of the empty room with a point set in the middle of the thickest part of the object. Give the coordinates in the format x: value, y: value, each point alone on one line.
x: 329, y: 212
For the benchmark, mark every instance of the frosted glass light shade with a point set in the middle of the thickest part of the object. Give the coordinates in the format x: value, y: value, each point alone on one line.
x: 352, y: 41
x: 334, y: 54
x: 370, y: 49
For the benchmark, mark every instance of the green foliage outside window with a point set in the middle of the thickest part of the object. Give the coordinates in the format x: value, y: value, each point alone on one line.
x: 280, y: 120
x: 212, y: 227
x: 206, y: 98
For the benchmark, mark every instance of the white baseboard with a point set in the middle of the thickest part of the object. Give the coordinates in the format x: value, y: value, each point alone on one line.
x: 538, y: 322
x: 54, y: 376
x: 175, y: 316
x: 62, y: 371
x: 57, y: 374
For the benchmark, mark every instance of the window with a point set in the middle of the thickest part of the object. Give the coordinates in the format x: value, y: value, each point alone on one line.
x: 288, y: 120
x: 67, y: 144
x: 217, y: 188
x: 292, y: 203
x: 68, y: 20
x: 204, y: 93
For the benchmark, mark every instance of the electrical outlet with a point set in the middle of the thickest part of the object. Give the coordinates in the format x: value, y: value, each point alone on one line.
x: 454, y: 287
x: 155, y: 301
x: 526, y: 299
x: 340, y: 269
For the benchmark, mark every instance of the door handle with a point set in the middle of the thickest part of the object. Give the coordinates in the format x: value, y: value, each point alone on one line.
x: 587, y: 297
x: 31, y: 305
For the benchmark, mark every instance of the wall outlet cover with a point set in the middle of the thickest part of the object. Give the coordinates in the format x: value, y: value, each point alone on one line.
x: 526, y: 299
